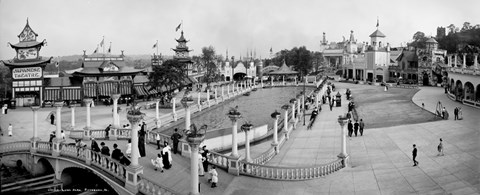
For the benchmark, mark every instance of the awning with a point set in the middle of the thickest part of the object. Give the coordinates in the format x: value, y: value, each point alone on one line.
x: 71, y: 93
x: 51, y: 94
x: 152, y: 90
x: 125, y: 87
x: 140, y: 90
x: 90, y: 89
x: 107, y: 88
x: 162, y: 89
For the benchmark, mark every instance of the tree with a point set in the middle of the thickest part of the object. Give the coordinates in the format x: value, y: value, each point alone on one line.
x: 419, y: 40
x: 451, y: 29
x: 466, y: 26
x: 169, y: 75
x: 208, y: 58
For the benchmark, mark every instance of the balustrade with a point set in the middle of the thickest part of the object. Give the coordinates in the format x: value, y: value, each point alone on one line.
x: 44, y: 147
x: 76, y: 134
x: 148, y: 187
x: 218, y: 160
x: 15, y: 146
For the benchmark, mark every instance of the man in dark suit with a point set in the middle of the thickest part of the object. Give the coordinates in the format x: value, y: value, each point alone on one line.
x: 116, y: 153
x: 414, y: 154
x: 350, y: 128
x: 455, y: 112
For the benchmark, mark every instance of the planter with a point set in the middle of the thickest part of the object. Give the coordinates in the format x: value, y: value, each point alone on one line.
x: 195, y: 139
x: 135, y: 119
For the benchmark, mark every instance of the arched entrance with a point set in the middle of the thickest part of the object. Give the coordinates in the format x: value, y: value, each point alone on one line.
x: 43, y: 167
x: 452, y: 86
x: 469, y: 91
x: 459, y: 91
x: 425, y: 80
x: 239, y: 76
x: 78, y: 178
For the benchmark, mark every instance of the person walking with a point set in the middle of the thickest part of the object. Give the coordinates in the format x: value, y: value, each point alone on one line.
x: 414, y: 155
x: 361, y: 125
x: 95, y: 149
x: 116, y: 152
x: 157, y: 138
x: 440, y: 148
x: 350, y: 128
x: 175, y: 137
x: 62, y: 134
x: 52, y: 119
x: 201, y: 172
x: 10, y: 130
x: 355, y: 127
x: 455, y: 113
x: 167, y: 156
x: 107, y: 130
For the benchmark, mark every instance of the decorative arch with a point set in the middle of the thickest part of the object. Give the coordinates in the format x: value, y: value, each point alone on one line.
x: 459, y: 90
x: 477, y: 93
x: 469, y: 91
x: 240, y: 68
x: 43, y: 166
x: 452, y: 85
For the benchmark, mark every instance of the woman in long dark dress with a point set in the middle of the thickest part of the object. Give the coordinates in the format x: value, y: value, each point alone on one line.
x: 141, y: 141
x: 166, y: 162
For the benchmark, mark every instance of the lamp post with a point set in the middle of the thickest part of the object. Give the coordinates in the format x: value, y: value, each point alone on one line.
x: 246, y: 127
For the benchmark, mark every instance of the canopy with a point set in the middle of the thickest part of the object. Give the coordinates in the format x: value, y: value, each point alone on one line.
x: 283, y: 70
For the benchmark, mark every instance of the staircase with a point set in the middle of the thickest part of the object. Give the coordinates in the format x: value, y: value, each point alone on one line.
x: 36, y: 185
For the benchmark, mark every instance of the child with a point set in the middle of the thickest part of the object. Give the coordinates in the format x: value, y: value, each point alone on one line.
x: 214, y: 177
x: 440, y: 148
x: 158, y: 163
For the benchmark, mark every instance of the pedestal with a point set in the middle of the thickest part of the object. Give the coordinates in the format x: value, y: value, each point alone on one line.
x: 113, y: 134
x: 56, y: 146
x: 131, y: 183
x: 233, y: 165
x: 33, y: 144
x: 194, y: 142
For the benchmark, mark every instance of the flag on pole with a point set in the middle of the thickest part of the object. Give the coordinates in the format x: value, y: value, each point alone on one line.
x: 110, y: 48
x: 178, y: 27
x: 101, y: 43
x: 377, y: 22
x: 154, y: 45
x: 96, y: 50
x: 270, y: 49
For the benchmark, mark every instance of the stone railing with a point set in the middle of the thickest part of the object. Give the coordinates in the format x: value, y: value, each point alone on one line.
x: 44, y: 147
x: 289, y: 173
x: 149, y: 187
x: 15, y: 146
x: 97, y: 133
x: 219, y: 160
x: 76, y: 134
x: 471, y: 71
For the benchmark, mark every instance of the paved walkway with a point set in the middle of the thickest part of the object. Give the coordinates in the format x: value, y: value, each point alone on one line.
x: 380, y: 161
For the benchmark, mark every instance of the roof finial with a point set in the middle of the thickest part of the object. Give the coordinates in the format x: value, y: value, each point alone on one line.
x: 27, y: 20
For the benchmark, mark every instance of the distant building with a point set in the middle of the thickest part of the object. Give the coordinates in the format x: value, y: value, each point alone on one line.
x: 182, y: 54
x: 27, y: 69
x: 431, y: 64
x: 441, y: 32
x: 241, y: 69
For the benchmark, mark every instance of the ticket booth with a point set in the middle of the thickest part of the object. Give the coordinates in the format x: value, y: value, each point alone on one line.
x: 338, y: 98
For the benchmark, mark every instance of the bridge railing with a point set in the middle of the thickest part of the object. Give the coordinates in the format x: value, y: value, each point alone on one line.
x: 219, y: 160
x: 149, y: 187
x: 15, y: 146
x: 44, y: 147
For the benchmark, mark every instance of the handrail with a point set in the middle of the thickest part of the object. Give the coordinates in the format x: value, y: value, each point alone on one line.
x: 15, y: 146
x: 148, y: 187
x: 289, y: 173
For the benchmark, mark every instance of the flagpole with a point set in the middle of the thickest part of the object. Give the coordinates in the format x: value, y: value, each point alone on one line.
x: 103, y: 45
x: 157, y: 47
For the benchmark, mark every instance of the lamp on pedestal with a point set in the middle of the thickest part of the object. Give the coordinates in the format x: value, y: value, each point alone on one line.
x: 233, y: 167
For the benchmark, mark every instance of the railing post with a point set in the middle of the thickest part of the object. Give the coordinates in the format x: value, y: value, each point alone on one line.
x: 58, y: 138
x: 72, y: 108
x: 275, y: 117
x: 342, y: 120
x: 35, y: 138
x: 135, y: 168
x: 86, y: 130
x: 88, y: 156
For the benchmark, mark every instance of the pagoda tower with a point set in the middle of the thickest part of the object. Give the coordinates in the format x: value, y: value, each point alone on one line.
x: 27, y: 69
x: 182, y: 53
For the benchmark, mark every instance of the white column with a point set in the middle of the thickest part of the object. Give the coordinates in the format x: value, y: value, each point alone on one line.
x: 283, y: 80
x: 299, y: 100
x: 194, y: 169
x: 234, y: 137
x: 35, y: 121
x: 72, y: 108
x: 157, y: 114
x: 317, y: 99
x: 115, y: 110
x: 88, y: 102
x: 222, y: 91
x: 174, y: 112
x: 58, y: 119
x: 275, y: 130
x: 455, y: 61
x: 228, y: 90
x: 198, y: 101
x: 285, y: 118
x: 187, y: 117
x: 247, y: 147
x: 271, y: 80
x: 134, y: 137
x: 464, y: 65
x: 208, y: 97
x: 296, y: 81
x: 293, y: 111
x: 475, y: 61
x: 342, y: 122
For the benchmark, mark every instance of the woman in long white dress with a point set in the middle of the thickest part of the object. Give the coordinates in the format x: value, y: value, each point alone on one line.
x: 157, y: 163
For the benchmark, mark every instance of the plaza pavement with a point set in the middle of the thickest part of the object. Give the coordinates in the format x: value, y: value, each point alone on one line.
x: 380, y: 161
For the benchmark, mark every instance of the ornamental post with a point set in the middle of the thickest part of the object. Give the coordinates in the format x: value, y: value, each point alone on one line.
x: 194, y: 139
x: 58, y: 135
x: 72, y: 108
x: 158, y: 123
x: 134, y: 116
x: 233, y: 167
x: 86, y: 129
x: 35, y: 137
x: 275, y: 115
x: 116, y: 121
x: 342, y: 120
x: 246, y: 128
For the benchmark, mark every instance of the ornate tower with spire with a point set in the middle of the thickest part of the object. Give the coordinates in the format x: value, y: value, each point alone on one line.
x: 182, y: 53
x: 378, y: 58
x: 27, y: 68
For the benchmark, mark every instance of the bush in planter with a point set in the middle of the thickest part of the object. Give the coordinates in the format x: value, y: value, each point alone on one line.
x: 233, y: 111
x: 195, y: 133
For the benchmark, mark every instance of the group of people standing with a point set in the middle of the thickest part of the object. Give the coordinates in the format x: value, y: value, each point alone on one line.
x: 355, y: 127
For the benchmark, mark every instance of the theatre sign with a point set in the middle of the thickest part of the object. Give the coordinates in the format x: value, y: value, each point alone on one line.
x: 27, y: 73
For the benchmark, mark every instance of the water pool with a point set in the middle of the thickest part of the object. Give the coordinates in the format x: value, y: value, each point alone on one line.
x: 255, y: 108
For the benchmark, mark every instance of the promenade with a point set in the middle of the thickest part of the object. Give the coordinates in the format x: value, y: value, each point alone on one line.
x: 380, y: 161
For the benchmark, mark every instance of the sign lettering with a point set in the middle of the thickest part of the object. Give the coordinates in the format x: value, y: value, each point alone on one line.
x: 27, y: 73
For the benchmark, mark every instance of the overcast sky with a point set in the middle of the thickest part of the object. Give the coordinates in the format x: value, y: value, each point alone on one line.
x: 70, y: 26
